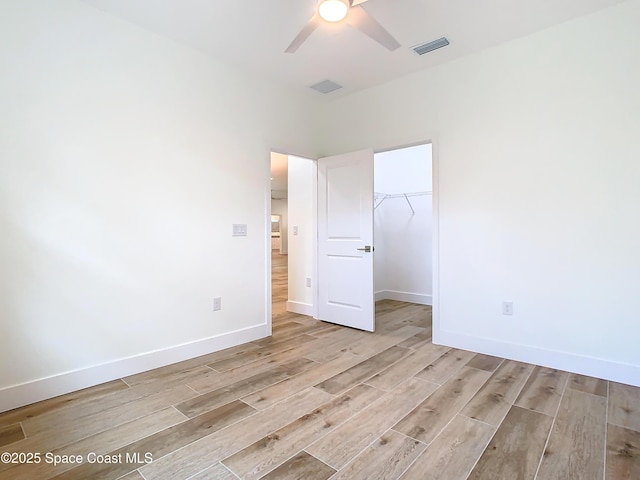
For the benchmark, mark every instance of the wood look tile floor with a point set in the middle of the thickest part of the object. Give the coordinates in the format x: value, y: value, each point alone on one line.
x: 317, y: 401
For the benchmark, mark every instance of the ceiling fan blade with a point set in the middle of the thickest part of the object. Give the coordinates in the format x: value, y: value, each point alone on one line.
x: 357, y: 2
x: 360, y: 19
x: 304, y: 33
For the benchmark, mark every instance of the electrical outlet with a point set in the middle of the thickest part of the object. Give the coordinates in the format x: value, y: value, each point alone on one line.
x: 507, y: 308
x: 217, y: 304
x: 308, y: 281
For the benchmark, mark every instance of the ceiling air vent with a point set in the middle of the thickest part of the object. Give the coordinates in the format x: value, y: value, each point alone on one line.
x: 431, y: 46
x: 326, y: 86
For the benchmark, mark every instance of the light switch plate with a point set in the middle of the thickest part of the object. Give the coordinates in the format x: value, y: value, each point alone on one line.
x: 239, y: 229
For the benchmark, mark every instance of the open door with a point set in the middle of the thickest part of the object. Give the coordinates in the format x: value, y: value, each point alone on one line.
x: 345, y: 240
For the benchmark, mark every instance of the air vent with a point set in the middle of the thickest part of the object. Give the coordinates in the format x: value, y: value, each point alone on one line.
x: 431, y: 46
x: 326, y: 86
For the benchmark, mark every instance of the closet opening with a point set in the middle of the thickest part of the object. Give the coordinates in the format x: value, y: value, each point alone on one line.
x: 403, y: 226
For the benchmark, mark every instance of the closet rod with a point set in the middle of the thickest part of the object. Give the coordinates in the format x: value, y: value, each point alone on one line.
x: 406, y: 196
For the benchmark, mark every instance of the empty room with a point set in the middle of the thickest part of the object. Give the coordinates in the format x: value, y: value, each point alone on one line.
x: 168, y: 312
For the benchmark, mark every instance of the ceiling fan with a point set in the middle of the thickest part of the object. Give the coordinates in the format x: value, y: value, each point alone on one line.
x: 353, y: 14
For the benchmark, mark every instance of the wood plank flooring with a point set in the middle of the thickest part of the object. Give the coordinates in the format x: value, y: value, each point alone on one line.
x: 317, y: 401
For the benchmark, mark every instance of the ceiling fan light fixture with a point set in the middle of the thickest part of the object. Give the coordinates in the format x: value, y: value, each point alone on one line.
x: 333, y: 10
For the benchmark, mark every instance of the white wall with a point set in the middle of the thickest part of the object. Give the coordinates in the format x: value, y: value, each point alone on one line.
x: 302, y: 191
x: 402, y: 259
x: 537, y: 173
x: 281, y: 207
x: 125, y: 158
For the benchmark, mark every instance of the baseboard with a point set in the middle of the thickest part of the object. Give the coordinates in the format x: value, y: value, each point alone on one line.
x: 584, y: 365
x: 418, y: 298
x: 301, y: 308
x: 49, y: 387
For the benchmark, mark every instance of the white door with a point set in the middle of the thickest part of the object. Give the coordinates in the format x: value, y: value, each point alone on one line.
x: 345, y: 240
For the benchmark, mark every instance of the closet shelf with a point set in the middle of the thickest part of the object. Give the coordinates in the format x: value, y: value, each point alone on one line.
x: 381, y: 197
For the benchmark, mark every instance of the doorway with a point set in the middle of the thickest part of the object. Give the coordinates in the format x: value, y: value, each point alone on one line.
x: 278, y: 233
x: 293, y: 266
x: 350, y: 238
x: 403, y: 225
x: 403, y: 229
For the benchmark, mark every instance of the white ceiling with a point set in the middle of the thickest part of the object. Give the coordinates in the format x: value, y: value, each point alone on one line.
x: 253, y: 34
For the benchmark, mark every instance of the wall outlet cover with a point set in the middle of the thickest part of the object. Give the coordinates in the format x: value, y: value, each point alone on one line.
x: 507, y: 308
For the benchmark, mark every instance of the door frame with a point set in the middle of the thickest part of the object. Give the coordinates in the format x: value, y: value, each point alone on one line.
x: 435, y: 230
x: 412, y: 141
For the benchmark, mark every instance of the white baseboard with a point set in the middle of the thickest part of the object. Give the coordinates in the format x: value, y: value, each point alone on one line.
x: 49, y: 387
x: 584, y: 365
x: 301, y: 308
x: 418, y: 298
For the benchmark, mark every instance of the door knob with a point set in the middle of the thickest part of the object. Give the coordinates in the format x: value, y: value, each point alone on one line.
x: 367, y: 248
